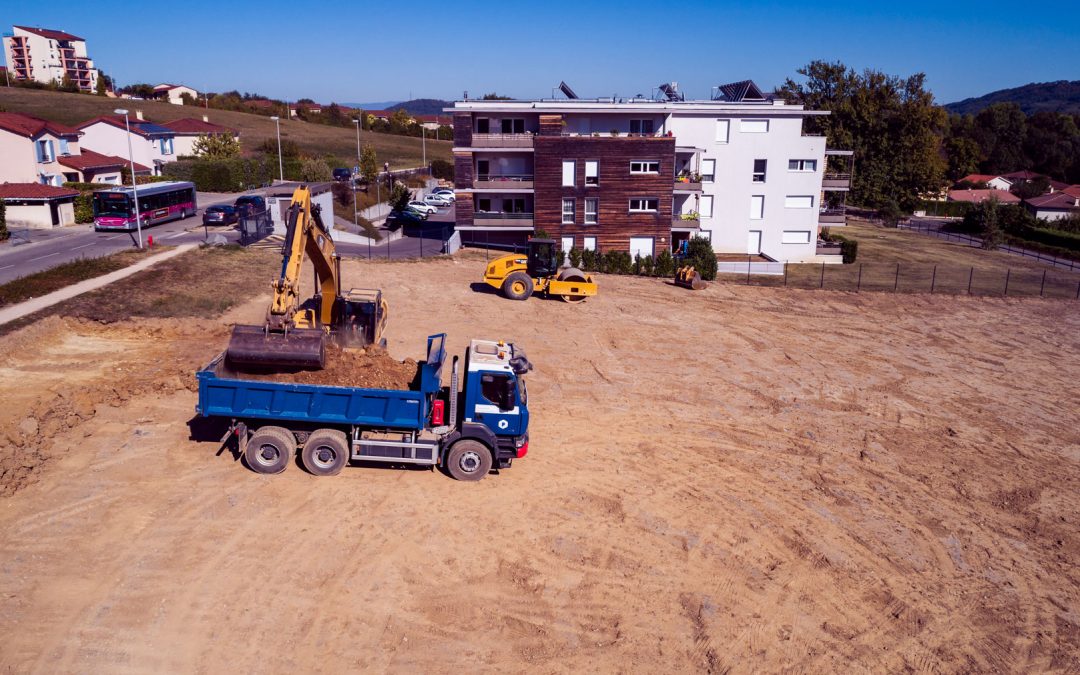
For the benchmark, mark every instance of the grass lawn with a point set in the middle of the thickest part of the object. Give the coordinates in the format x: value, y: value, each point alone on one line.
x: 318, y: 139
x: 47, y: 281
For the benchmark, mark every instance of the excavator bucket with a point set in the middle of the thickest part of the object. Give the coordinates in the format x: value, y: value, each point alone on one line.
x: 257, y: 347
x: 688, y: 277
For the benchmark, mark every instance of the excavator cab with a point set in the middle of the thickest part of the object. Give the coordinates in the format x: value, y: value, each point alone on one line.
x: 543, y: 261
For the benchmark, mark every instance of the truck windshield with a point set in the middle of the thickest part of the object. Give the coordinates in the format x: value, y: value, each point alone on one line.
x: 112, y: 204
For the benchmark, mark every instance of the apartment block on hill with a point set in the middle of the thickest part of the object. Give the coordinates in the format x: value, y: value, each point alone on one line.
x: 46, y: 55
x: 641, y: 175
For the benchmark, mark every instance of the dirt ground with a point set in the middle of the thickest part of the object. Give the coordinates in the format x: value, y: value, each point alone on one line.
x: 745, y: 479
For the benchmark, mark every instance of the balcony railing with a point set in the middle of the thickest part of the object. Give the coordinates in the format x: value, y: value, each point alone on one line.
x: 831, y: 216
x: 503, y: 219
x: 502, y: 140
x: 503, y: 182
x: 836, y: 181
x: 692, y: 184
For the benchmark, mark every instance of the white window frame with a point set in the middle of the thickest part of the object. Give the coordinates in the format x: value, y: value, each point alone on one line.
x: 643, y: 206
x: 589, y: 244
x: 723, y: 131
x: 711, y: 175
x: 795, y: 237
x: 565, y: 214
x: 644, y: 167
x: 759, y: 176
x: 705, y: 208
x: 800, y: 165
x: 569, y: 178
x: 753, y: 126
x: 757, y: 207
x: 799, y: 202
x: 592, y: 170
x: 595, y: 212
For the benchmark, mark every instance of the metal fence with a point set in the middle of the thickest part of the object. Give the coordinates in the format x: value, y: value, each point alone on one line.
x: 976, y: 242
x: 254, y: 225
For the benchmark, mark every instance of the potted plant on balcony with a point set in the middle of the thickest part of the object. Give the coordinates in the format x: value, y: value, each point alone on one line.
x: 614, y: 133
x: 692, y: 215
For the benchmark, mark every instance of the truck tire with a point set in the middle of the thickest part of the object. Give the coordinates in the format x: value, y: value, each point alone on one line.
x: 468, y: 460
x: 517, y: 286
x: 270, y: 449
x: 325, y: 453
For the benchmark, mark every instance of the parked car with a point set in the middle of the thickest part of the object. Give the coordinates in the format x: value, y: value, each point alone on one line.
x: 436, y: 200
x: 220, y: 214
x: 253, y: 203
x: 406, y: 217
x: 421, y: 207
x: 342, y: 174
x: 446, y: 192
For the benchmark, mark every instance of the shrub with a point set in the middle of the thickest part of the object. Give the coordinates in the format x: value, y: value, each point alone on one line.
x: 575, y: 257
x: 228, y: 175
x: 849, y: 248
x: 617, y: 262
x: 442, y: 168
x: 314, y: 170
x: 560, y: 257
x: 647, y: 265
x: 4, y: 234
x: 589, y: 261
x: 701, y: 256
x: 665, y: 264
x: 635, y: 267
x: 288, y: 148
x: 342, y: 193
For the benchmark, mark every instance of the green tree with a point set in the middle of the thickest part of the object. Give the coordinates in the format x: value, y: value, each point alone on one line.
x: 1000, y: 130
x: 102, y: 86
x: 700, y: 255
x: 985, y: 218
x: 890, y: 123
x: 67, y: 84
x: 216, y: 146
x: 495, y: 97
x: 314, y: 170
x: 399, y: 197
x: 4, y: 234
x: 369, y: 163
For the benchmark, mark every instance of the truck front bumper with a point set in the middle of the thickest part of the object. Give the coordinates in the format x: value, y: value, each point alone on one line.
x: 511, y: 448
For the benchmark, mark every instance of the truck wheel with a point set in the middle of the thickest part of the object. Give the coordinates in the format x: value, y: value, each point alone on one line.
x: 518, y: 286
x: 325, y: 453
x: 468, y: 460
x: 269, y: 450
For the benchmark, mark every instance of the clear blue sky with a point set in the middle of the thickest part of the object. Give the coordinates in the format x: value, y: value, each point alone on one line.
x: 378, y: 51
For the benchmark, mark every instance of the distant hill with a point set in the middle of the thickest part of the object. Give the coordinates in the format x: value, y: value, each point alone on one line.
x: 1062, y: 96
x: 379, y: 105
x: 422, y: 106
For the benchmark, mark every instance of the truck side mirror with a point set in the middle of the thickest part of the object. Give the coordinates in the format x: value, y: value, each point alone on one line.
x: 506, y: 401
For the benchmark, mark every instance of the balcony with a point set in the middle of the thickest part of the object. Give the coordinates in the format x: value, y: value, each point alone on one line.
x: 501, y: 219
x: 687, y: 184
x: 506, y: 182
x: 837, y: 182
x: 686, y: 222
x: 832, y: 216
x: 502, y: 140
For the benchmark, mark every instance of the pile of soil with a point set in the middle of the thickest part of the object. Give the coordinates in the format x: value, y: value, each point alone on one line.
x: 371, y: 368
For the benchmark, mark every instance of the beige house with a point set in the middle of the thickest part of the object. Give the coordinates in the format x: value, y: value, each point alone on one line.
x: 152, y: 144
x: 32, y: 149
x: 37, y: 206
x: 174, y: 93
x: 188, y: 130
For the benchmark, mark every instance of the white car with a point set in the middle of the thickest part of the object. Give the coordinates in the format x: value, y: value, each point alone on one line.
x: 447, y: 193
x: 421, y: 207
x: 436, y: 200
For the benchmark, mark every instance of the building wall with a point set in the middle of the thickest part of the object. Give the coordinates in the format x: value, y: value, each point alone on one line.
x: 732, y: 191
x: 109, y: 140
x: 38, y: 215
x: 19, y: 163
x: 1051, y: 215
x: 45, y: 61
x: 616, y: 186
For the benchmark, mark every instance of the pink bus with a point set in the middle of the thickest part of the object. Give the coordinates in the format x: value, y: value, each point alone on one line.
x: 158, y: 202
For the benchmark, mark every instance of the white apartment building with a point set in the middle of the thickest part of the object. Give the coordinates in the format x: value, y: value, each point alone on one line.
x: 46, y: 55
x: 152, y: 145
x: 737, y: 169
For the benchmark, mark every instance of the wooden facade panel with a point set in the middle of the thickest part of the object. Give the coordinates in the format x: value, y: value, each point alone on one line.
x: 463, y: 170
x: 616, y: 187
x: 463, y: 127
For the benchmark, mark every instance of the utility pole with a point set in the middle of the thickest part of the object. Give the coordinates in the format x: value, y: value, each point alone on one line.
x: 131, y: 160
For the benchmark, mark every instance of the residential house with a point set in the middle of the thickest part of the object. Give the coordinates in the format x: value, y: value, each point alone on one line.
x: 187, y: 130
x: 433, y: 122
x: 32, y: 148
x: 37, y: 206
x: 993, y: 182
x: 1073, y: 190
x: 1053, y: 206
x: 642, y: 175
x: 174, y: 93
x: 152, y: 145
x: 975, y: 196
x: 93, y: 167
x: 46, y: 55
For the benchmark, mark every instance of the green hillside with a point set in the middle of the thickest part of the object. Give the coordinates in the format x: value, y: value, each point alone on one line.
x: 1062, y: 96
x: 314, y: 139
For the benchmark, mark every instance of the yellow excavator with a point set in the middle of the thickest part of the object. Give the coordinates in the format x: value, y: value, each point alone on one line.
x: 519, y: 276
x: 295, y: 334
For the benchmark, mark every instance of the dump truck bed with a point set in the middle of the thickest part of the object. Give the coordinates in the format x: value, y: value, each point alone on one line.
x: 237, y: 398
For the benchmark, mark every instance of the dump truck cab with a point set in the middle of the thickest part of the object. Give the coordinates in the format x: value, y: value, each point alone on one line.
x: 495, y: 393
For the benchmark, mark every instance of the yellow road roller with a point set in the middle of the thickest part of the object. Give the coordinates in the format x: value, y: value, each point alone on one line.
x: 519, y: 276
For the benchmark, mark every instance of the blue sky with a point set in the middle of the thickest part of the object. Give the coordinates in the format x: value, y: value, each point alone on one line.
x: 378, y: 51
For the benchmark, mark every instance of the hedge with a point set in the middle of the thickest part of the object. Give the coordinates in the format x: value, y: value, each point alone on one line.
x: 222, y: 175
x: 1056, y: 238
x: 442, y: 168
x: 620, y: 262
x: 954, y: 209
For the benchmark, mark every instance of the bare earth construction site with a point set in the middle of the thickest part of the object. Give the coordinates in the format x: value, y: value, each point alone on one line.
x: 738, y: 478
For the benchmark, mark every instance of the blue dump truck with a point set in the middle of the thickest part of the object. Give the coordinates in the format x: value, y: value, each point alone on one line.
x: 468, y: 433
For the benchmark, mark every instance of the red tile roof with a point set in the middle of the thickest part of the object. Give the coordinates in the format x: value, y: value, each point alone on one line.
x: 89, y: 160
x: 140, y: 127
x: 976, y: 196
x: 1022, y: 175
x: 25, y: 125
x: 1073, y: 190
x: 34, y: 191
x: 977, y: 178
x: 192, y: 126
x: 50, y: 34
x: 1057, y: 200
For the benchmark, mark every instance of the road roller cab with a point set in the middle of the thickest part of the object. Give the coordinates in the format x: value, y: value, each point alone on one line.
x: 519, y: 276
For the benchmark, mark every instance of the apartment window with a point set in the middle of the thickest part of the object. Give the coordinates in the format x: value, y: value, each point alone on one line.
x: 64, y: 148
x: 706, y: 206
x: 645, y: 166
x: 757, y: 207
x: 799, y: 202
x: 166, y: 146
x: 46, y: 151
x: 641, y: 127
x: 708, y: 170
x: 568, y: 169
x: 722, y: 129
x: 589, y: 244
x: 513, y: 126
x: 802, y: 165
x: 644, y: 205
x: 483, y: 205
x: 759, y: 170
x: 754, y: 126
x: 568, y: 211
x: 513, y: 205
x: 592, y: 172
x: 590, y: 211
x: 795, y: 237
x: 483, y: 125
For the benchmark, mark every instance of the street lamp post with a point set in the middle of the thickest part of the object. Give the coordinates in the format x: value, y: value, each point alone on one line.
x: 280, y: 163
x: 356, y: 212
x: 131, y: 161
x: 423, y: 142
